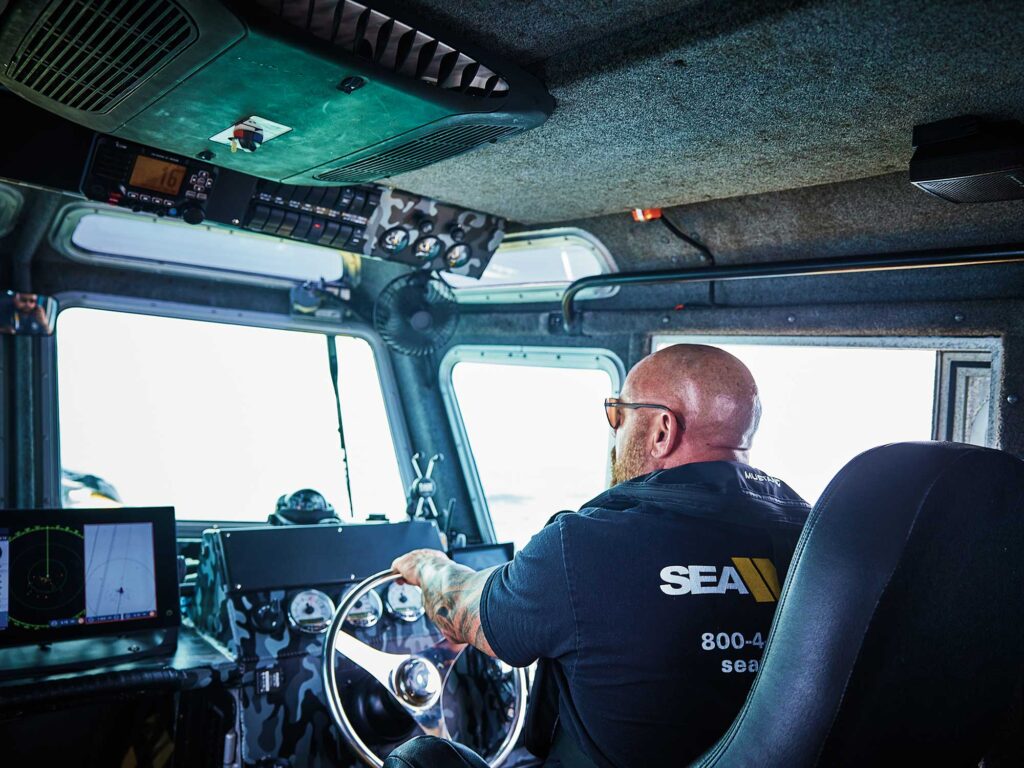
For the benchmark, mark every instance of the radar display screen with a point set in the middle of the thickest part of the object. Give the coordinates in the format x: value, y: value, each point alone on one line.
x: 78, y: 573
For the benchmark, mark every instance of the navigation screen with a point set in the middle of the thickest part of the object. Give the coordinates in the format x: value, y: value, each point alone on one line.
x: 157, y: 175
x: 56, y: 575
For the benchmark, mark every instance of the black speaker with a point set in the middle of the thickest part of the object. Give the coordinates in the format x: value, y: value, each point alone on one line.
x: 969, y: 160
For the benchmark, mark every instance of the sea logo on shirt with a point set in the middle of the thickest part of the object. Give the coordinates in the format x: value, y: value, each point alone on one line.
x: 755, y: 576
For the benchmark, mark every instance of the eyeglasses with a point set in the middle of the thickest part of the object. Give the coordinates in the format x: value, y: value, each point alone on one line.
x: 612, y: 406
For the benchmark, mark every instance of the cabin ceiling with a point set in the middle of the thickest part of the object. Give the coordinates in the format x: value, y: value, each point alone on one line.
x: 664, y: 102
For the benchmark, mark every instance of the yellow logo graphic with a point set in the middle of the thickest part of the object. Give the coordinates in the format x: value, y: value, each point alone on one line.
x: 759, y: 574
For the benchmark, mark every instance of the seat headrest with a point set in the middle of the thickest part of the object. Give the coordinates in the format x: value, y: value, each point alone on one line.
x: 899, y: 636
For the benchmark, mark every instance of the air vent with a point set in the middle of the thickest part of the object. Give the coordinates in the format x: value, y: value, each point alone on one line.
x: 387, y: 42
x: 417, y: 153
x: 91, y: 54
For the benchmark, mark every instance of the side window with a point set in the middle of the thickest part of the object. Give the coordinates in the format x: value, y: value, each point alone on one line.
x: 217, y: 420
x: 825, y: 404
x: 536, y: 432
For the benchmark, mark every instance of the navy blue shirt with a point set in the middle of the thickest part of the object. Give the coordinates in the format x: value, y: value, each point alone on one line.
x: 654, y: 603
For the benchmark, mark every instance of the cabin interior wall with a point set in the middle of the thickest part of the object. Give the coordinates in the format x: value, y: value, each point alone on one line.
x: 913, y: 303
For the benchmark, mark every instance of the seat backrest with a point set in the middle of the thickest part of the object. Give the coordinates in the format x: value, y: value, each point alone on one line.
x: 899, y: 635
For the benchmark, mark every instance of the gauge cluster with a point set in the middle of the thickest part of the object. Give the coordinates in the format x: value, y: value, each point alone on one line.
x: 311, y: 611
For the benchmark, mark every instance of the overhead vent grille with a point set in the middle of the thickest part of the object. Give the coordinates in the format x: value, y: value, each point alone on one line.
x: 90, y: 54
x: 387, y: 42
x: 417, y: 153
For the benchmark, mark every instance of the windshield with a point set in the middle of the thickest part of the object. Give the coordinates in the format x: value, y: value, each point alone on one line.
x: 219, y: 420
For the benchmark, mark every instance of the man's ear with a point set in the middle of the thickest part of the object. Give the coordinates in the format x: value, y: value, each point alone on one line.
x: 665, y: 435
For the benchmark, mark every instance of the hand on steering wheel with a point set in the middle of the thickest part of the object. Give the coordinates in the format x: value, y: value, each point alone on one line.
x: 416, y: 681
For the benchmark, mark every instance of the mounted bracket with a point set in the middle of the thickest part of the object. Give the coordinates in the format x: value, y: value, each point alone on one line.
x: 422, y: 489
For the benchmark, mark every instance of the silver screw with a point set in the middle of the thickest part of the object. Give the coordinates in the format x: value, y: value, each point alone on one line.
x: 959, y: 317
x: 665, y: 320
x: 791, y: 319
x: 1012, y: 399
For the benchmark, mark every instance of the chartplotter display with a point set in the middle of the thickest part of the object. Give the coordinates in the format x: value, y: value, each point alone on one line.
x: 79, y: 573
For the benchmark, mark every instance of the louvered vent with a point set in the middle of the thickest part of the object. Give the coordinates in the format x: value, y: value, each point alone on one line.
x: 389, y: 43
x: 417, y: 153
x: 90, y: 54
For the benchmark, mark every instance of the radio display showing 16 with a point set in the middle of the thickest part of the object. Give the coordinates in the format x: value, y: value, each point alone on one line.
x: 157, y: 175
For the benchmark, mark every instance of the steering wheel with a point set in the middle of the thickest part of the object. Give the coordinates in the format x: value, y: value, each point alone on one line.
x: 415, y: 680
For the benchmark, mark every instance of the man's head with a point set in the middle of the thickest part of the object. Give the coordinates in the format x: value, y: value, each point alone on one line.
x: 26, y: 303
x: 710, y: 411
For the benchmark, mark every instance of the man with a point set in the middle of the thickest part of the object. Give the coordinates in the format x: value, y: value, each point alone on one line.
x: 653, y: 603
x: 25, y: 315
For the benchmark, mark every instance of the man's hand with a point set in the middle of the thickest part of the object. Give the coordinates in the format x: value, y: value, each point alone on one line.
x: 409, y: 565
x: 451, y: 594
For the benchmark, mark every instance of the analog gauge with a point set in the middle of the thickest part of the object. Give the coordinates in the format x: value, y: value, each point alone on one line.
x: 458, y: 255
x: 366, y: 611
x: 395, y: 239
x: 428, y: 248
x: 405, y: 601
x: 311, y: 611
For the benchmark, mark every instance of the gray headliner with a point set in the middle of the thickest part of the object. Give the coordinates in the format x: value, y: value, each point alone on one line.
x: 662, y: 103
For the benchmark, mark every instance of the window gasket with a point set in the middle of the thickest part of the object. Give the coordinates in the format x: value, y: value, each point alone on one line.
x: 990, y: 345
x: 51, y: 459
x: 588, y: 358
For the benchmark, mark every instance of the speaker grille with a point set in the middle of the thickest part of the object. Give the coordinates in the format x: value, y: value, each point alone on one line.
x: 984, y: 188
x: 417, y: 153
x: 91, y: 54
x: 387, y: 42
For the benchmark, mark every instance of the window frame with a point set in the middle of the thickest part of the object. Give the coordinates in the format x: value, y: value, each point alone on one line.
x: 988, y: 345
x: 50, y: 416
x: 527, y: 293
x: 588, y: 358
x: 65, y: 223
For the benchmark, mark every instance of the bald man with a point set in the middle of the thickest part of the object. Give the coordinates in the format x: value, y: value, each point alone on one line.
x: 649, y: 607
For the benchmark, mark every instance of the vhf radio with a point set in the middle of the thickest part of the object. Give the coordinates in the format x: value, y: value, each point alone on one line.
x: 132, y: 176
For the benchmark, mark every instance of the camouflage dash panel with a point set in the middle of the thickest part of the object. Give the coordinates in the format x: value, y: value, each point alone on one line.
x: 211, y: 605
x: 423, y: 217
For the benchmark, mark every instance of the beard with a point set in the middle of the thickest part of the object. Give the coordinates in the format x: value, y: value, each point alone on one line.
x: 630, y: 464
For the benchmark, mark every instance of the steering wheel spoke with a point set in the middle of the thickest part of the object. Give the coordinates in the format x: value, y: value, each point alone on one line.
x: 416, y: 680
x: 379, y: 664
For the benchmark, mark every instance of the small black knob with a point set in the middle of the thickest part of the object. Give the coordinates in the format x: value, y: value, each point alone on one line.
x: 458, y: 234
x: 193, y: 214
x: 268, y: 618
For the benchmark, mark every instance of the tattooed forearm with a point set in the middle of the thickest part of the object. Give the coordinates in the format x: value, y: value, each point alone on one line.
x: 451, y: 595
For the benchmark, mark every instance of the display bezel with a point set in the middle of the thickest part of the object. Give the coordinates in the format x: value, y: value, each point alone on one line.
x: 142, y: 157
x: 168, y: 610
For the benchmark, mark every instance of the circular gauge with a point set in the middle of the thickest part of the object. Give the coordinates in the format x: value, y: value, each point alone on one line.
x: 311, y: 611
x: 405, y: 601
x: 428, y: 248
x: 459, y: 255
x: 366, y: 611
x: 395, y: 239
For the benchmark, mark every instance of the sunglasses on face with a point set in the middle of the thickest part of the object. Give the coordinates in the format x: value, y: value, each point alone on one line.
x: 613, y: 410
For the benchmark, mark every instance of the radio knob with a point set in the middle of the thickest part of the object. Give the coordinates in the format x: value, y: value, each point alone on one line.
x: 193, y: 214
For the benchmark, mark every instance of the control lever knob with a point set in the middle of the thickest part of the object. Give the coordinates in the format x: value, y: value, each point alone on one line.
x: 193, y: 214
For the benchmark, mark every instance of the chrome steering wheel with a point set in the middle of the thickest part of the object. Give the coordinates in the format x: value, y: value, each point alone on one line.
x: 415, y: 680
